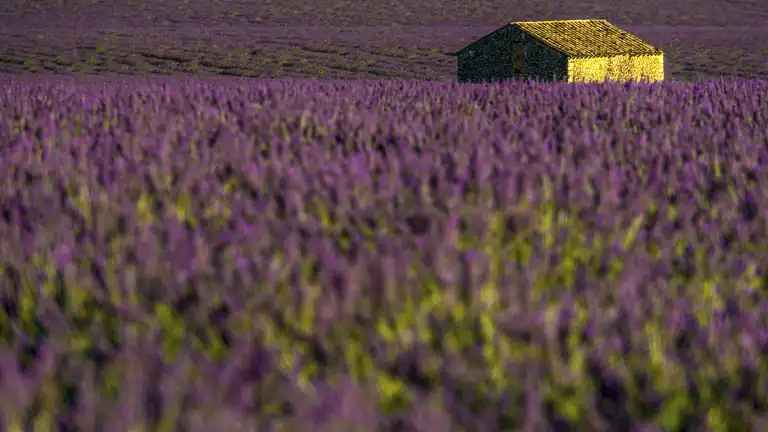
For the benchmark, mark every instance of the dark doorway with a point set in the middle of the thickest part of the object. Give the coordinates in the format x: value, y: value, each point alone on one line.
x: 518, y: 58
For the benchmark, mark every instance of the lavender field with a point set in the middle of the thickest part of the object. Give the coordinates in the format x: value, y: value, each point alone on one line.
x: 298, y: 255
x: 307, y: 225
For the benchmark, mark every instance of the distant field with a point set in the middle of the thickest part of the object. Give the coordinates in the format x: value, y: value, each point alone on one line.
x: 349, y: 40
x: 420, y: 53
x: 236, y: 13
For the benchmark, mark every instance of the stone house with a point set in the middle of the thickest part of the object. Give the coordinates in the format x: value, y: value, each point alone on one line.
x: 566, y: 50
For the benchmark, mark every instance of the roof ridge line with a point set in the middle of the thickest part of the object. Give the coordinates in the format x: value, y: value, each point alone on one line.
x: 548, y: 21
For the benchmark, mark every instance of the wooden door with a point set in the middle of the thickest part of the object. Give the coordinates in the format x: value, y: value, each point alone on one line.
x: 518, y: 58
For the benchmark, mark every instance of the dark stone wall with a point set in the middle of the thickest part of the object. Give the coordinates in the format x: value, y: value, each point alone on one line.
x: 490, y: 59
x: 543, y: 62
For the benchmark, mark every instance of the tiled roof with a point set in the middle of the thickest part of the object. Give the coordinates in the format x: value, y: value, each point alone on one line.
x: 587, y: 38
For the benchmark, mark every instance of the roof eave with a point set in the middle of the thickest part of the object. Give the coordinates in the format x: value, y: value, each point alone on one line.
x: 583, y: 56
